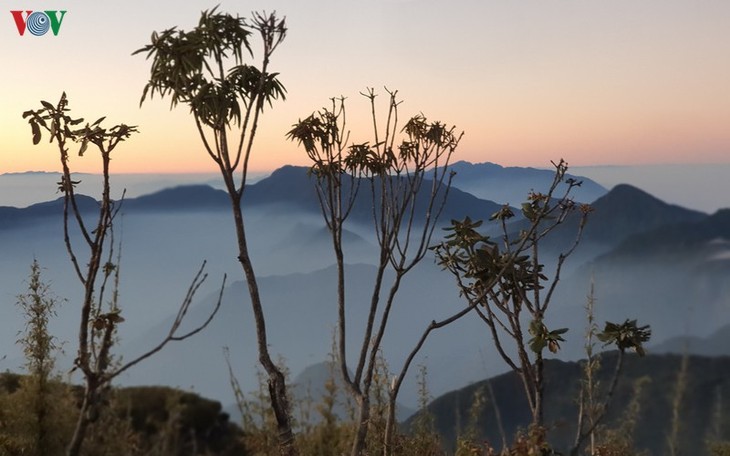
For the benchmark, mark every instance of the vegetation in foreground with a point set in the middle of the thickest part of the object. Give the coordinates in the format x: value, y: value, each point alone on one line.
x: 663, y: 405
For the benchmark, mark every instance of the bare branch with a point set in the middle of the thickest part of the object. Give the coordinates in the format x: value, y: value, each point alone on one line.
x: 172, y: 335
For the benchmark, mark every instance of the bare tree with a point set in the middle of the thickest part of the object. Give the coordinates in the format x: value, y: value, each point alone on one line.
x: 99, y: 274
x: 406, y: 181
x: 204, y: 69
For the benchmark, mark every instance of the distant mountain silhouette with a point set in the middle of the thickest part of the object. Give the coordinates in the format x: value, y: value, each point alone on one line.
x: 716, y: 344
x: 706, y: 378
x: 622, y: 212
x: 184, y: 197
x: 288, y: 185
x: 13, y: 217
x: 674, y: 276
x: 510, y: 185
x: 627, y: 210
x: 292, y: 186
x: 681, y: 237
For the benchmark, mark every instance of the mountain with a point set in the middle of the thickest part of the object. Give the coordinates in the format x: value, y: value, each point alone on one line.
x: 510, y: 185
x: 292, y: 186
x: 286, y: 189
x: 13, y: 217
x: 622, y: 212
x: 716, y: 344
x: 687, y: 237
x: 707, y: 381
x: 180, y: 198
x: 673, y: 277
x: 627, y: 210
x: 288, y: 185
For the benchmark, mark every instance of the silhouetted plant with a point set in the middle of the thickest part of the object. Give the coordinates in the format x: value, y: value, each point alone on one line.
x: 424, y: 439
x: 204, y: 69
x: 100, y: 313
x: 407, y: 181
x: 503, y: 281
x: 619, y: 441
x: 34, y: 416
x: 627, y: 335
x: 591, y: 409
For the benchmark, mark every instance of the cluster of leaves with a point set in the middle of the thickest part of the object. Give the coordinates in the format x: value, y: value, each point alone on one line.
x: 188, y: 67
x: 63, y: 128
x: 324, y: 137
x: 627, y: 335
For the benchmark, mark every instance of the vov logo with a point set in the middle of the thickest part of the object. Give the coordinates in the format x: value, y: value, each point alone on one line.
x: 38, y: 22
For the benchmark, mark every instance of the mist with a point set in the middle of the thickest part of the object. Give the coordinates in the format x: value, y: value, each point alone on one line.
x: 161, y: 250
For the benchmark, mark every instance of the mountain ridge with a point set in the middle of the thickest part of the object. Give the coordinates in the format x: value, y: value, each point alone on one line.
x: 511, y: 184
x: 705, y: 378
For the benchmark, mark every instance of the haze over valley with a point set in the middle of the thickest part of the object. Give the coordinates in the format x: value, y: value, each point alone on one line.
x: 660, y: 263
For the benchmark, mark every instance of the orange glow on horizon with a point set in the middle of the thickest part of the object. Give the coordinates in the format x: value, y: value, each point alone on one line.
x: 610, y: 83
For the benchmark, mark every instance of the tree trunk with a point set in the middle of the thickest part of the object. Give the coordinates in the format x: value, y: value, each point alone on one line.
x: 361, y: 429
x: 82, y: 424
x: 276, y: 382
x: 390, y: 425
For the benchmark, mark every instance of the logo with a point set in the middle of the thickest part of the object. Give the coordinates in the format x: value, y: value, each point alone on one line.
x: 38, y: 22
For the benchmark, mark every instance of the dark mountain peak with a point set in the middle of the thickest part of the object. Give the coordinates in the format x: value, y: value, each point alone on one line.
x: 289, y: 185
x: 685, y: 233
x: 721, y: 218
x: 183, y: 197
x: 626, y: 192
x: 182, y: 191
x: 54, y: 207
x: 563, y: 385
x: 623, y: 213
x: 627, y: 210
x: 512, y: 184
x: 12, y: 217
x: 716, y: 344
x: 466, y: 167
x: 632, y: 202
x: 288, y: 171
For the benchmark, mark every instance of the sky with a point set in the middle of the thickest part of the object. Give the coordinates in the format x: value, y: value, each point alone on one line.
x: 619, y: 82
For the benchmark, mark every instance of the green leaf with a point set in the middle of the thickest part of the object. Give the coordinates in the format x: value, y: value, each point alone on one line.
x: 537, y: 344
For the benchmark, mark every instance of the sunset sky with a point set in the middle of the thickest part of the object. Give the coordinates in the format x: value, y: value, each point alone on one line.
x: 594, y: 82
